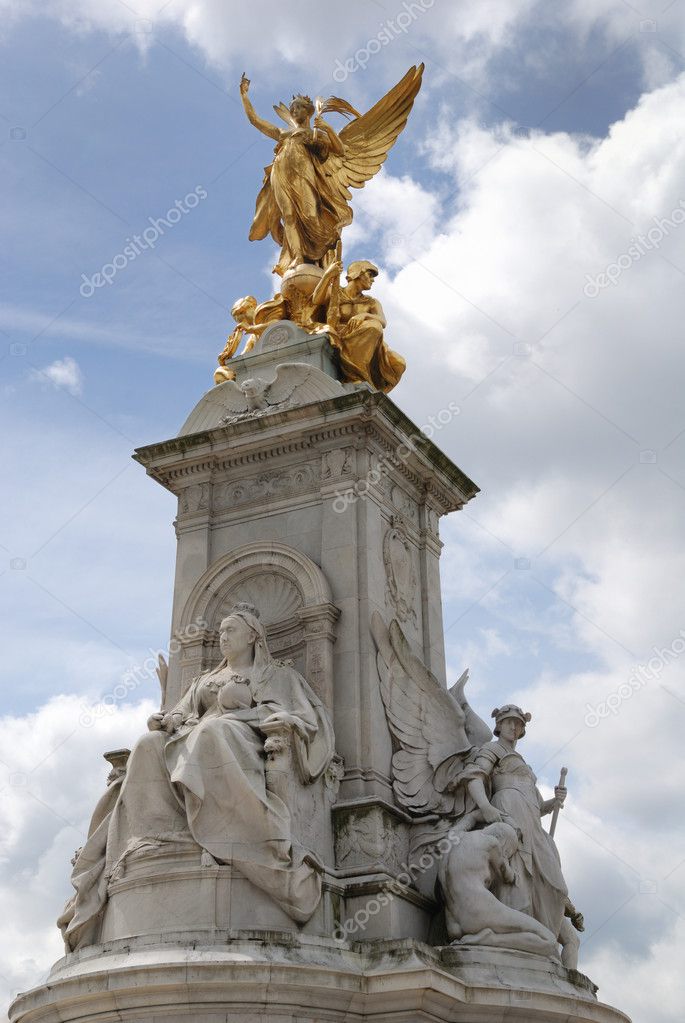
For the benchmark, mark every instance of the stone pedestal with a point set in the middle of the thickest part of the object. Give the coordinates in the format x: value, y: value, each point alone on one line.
x: 320, y: 506
x: 320, y: 514
x: 278, y: 978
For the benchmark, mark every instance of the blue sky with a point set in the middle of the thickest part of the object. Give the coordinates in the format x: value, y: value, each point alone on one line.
x: 546, y: 137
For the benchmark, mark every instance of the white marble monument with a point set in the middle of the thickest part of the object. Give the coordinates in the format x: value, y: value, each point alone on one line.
x: 313, y: 826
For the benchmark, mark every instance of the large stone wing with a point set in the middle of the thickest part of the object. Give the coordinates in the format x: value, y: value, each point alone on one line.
x: 426, y: 723
x: 289, y: 376
x: 369, y: 138
x: 228, y: 397
x: 478, y: 732
x: 299, y: 383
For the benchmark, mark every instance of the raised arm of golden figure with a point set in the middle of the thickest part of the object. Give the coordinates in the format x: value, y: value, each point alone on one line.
x: 253, y: 117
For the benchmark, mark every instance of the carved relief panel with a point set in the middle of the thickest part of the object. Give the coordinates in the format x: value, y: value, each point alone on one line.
x: 400, y: 573
x: 369, y: 837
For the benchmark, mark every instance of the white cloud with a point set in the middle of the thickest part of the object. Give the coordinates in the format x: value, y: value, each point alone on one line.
x: 62, y: 373
x: 575, y: 438
x: 314, y: 37
x: 51, y: 776
x: 400, y: 210
x: 559, y: 395
x: 464, y: 38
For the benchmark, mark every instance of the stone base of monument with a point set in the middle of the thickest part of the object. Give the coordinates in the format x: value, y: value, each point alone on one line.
x: 278, y: 976
x: 205, y: 899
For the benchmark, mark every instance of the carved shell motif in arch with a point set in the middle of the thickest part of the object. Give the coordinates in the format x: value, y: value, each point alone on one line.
x: 400, y: 574
x: 277, y: 598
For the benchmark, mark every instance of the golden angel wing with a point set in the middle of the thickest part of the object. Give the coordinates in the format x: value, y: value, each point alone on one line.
x: 284, y: 114
x: 369, y: 138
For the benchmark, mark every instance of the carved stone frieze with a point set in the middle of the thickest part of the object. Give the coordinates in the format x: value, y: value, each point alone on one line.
x: 337, y: 462
x: 194, y: 498
x: 405, y: 505
x: 274, y: 484
x: 400, y: 573
x: 366, y: 418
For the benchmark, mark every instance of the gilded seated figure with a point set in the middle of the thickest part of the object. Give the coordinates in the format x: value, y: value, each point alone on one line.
x: 243, y: 312
x: 355, y: 323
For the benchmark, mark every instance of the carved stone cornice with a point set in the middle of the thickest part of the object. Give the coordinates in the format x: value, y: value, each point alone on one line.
x: 367, y: 420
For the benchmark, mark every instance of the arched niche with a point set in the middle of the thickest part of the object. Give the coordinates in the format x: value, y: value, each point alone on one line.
x: 294, y: 600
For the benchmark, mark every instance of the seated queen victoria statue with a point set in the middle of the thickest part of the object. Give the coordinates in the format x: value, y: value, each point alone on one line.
x: 199, y: 776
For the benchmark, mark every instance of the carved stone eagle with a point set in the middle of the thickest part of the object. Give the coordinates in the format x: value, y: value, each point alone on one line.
x: 294, y: 383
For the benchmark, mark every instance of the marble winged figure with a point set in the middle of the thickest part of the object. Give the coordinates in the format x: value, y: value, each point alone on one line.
x: 457, y: 780
x: 304, y: 202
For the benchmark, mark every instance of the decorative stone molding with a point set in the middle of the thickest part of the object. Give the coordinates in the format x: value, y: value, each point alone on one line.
x: 364, y: 418
x: 405, y: 505
x: 281, y: 333
x: 293, y: 595
x: 272, y: 484
x: 402, y: 979
x: 318, y: 622
x: 194, y: 498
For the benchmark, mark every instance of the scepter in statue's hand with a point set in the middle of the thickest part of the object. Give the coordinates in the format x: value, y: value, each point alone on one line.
x: 560, y: 796
x: 162, y: 672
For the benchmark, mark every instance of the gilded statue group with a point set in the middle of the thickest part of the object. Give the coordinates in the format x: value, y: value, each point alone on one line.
x: 303, y: 205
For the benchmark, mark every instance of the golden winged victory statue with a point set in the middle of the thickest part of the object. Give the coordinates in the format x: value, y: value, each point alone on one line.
x: 304, y: 204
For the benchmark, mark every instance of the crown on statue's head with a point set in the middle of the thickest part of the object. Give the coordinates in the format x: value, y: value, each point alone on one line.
x: 303, y: 99
x: 245, y: 608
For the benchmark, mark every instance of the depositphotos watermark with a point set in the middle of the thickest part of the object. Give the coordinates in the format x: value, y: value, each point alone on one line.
x: 640, y: 246
x: 406, y: 877
x: 637, y: 680
x: 134, y: 677
x: 141, y: 242
x: 398, y: 456
x: 390, y: 30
